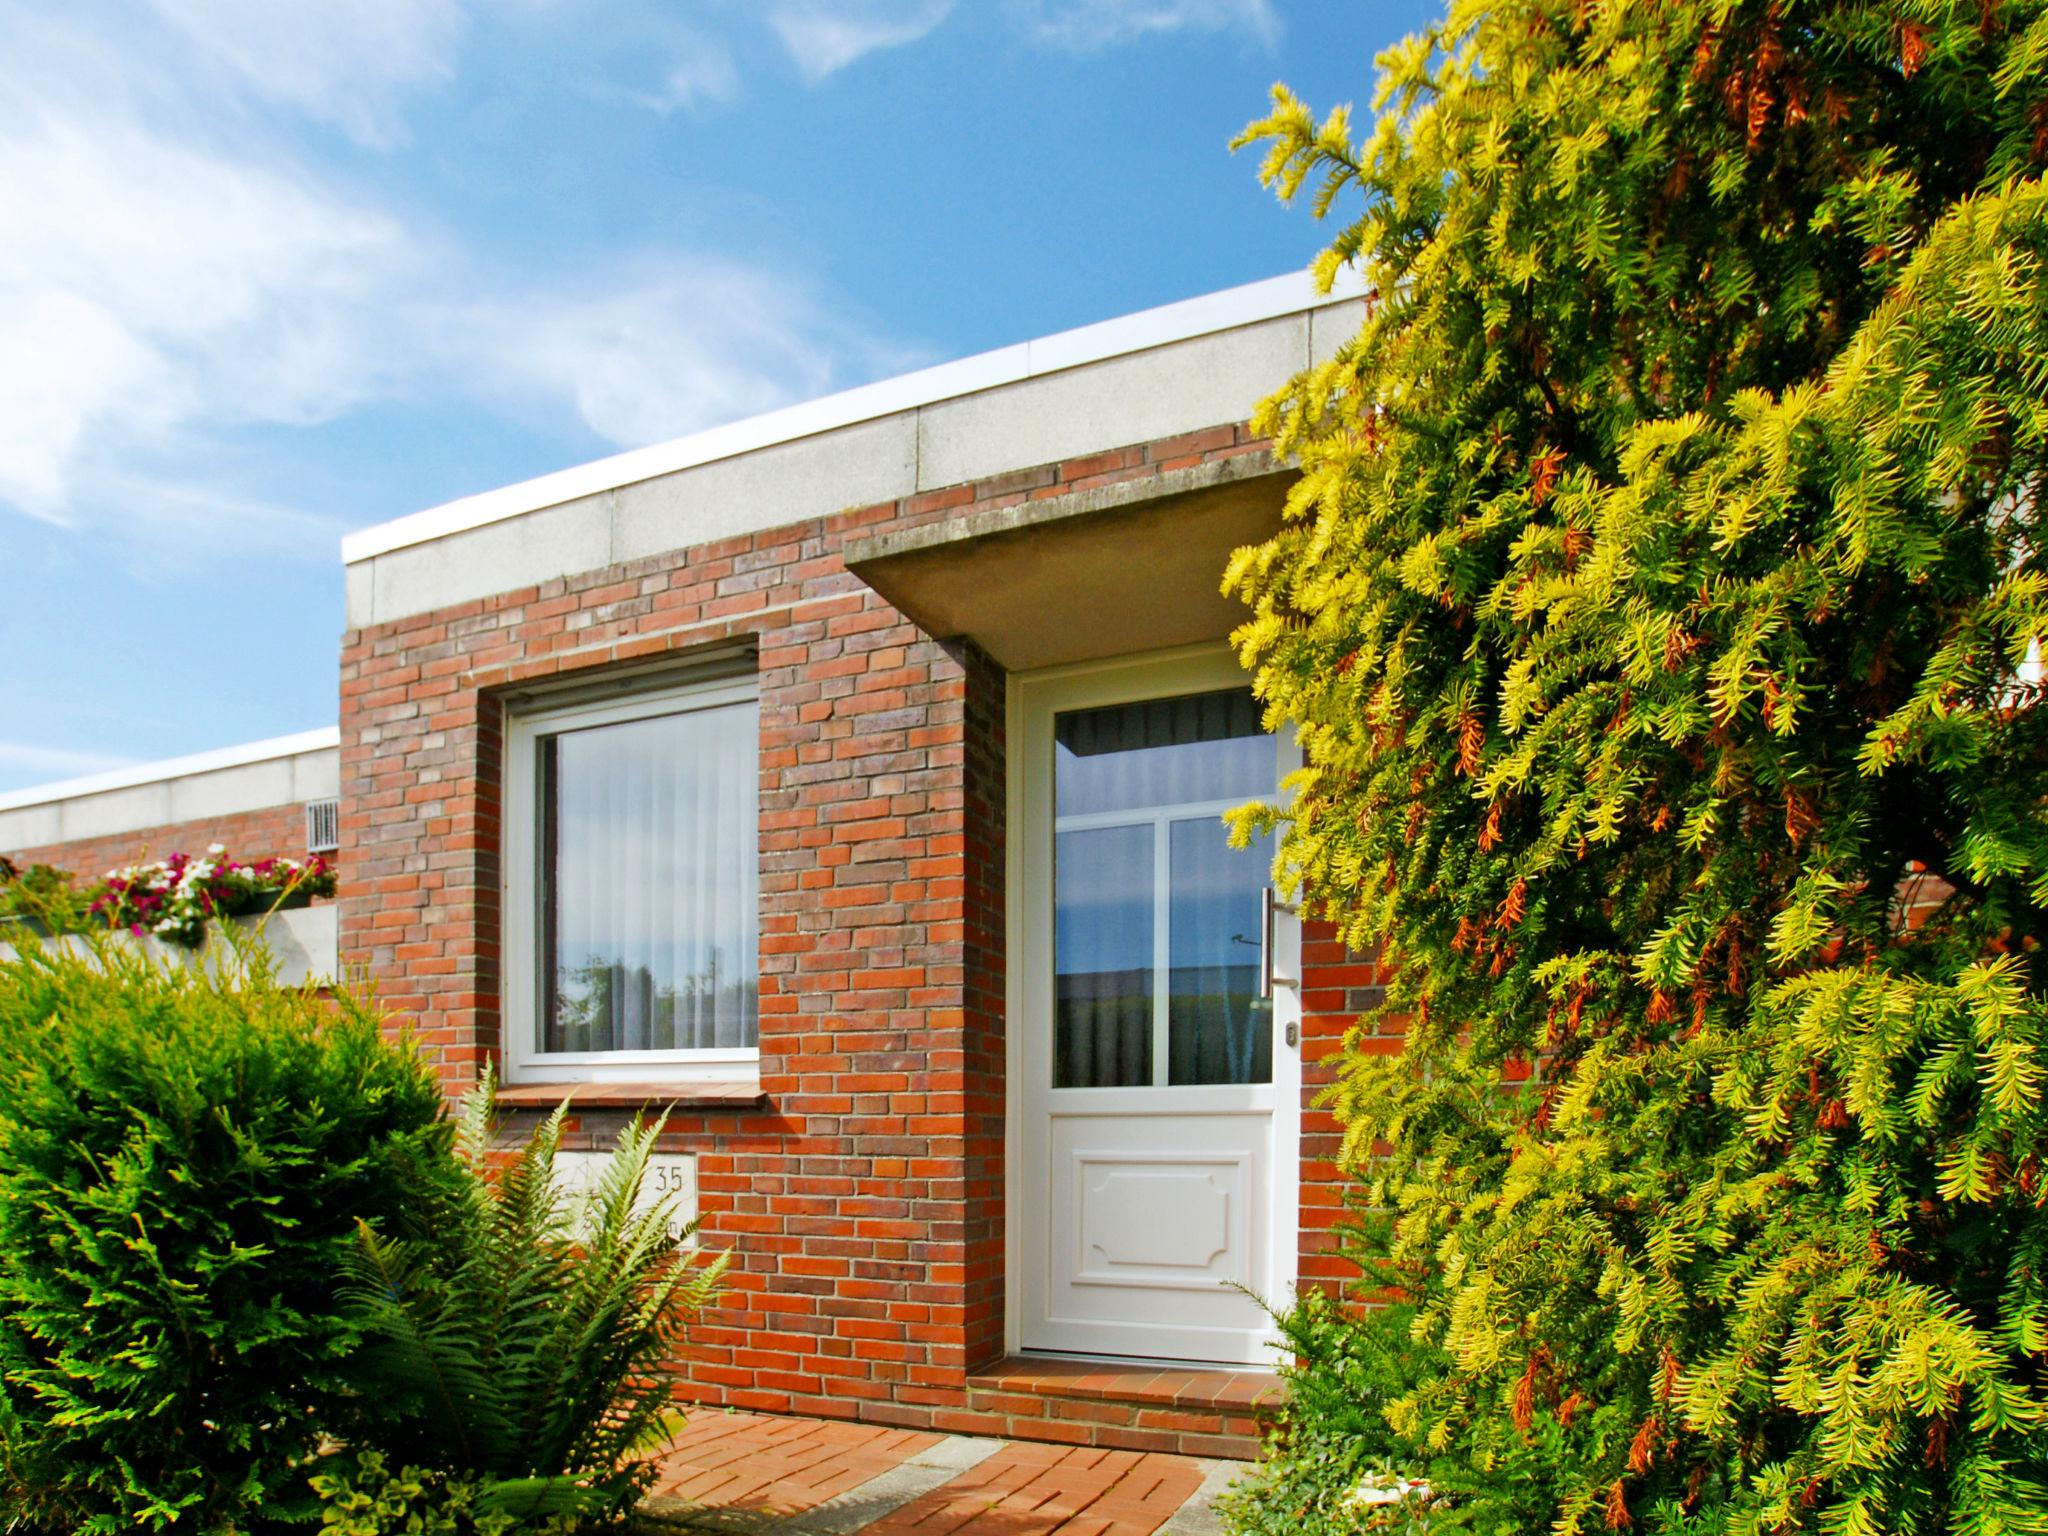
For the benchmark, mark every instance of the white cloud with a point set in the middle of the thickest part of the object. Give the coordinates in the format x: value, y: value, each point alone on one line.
x: 70, y: 364
x: 148, y: 285
x: 173, y: 277
x: 185, y: 524
x: 702, y: 73
x: 824, y: 36
x: 346, y: 63
x: 1085, y: 25
x: 176, y: 274
x: 57, y: 762
x: 158, y: 297
x: 670, y: 345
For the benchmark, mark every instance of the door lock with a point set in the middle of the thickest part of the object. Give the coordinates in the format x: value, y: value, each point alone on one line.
x: 1293, y: 1032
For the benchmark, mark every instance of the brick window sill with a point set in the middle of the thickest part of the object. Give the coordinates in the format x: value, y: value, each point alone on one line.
x: 657, y: 1096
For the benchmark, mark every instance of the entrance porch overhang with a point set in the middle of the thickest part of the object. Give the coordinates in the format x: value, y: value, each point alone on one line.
x: 1108, y: 571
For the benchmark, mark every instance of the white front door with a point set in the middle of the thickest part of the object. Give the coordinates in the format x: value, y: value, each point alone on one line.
x: 1153, y: 1013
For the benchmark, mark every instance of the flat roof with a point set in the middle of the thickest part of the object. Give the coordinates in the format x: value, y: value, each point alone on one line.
x: 327, y: 738
x: 1139, y: 332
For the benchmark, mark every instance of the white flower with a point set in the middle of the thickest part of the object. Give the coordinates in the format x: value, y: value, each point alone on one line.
x: 1385, y: 1488
x: 216, y: 849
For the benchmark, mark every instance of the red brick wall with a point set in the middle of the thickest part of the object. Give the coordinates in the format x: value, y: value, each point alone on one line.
x: 986, y: 1003
x: 1337, y: 986
x: 277, y: 829
x: 863, y: 1204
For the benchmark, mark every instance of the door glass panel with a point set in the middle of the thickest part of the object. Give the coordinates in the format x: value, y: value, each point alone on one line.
x: 1103, y: 957
x: 1219, y: 1029
x: 1156, y: 917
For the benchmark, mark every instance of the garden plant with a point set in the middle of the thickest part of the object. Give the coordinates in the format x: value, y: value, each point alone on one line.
x: 253, y: 1278
x: 172, y: 898
x: 516, y: 1339
x: 1661, y: 609
x: 183, y: 1164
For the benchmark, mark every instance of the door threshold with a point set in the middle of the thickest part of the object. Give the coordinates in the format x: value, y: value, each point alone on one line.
x: 1189, y: 1386
x: 1136, y: 1362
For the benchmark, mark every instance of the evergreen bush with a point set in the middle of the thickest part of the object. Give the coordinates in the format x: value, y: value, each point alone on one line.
x: 41, y: 895
x: 184, y: 1161
x: 1661, y: 610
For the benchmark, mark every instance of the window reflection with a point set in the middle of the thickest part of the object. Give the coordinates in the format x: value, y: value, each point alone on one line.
x: 1219, y: 1028
x: 1102, y: 938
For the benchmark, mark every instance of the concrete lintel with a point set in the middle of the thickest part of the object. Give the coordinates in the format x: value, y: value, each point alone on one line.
x: 1027, y: 515
x: 1112, y: 570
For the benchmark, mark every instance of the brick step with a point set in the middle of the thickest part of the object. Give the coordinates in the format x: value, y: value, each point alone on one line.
x: 1185, y: 1410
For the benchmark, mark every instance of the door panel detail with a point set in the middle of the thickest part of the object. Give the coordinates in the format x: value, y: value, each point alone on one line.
x: 1163, y: 1219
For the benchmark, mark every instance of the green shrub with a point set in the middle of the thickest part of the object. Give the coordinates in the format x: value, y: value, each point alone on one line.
x: 1660, y: 609
x: 184, y: 1164
x: 361, y: 1496
x: 42, y: 895
x: 1332, y: 1438
x: 516, y: 1341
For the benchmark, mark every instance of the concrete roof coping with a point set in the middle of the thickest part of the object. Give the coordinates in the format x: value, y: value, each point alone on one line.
x: 1143, y: 331
x: 325, y: 739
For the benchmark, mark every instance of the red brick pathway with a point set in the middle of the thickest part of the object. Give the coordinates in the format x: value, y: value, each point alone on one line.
x: 744, y: 1462
x: 1032, y: 1490
x: 748, y: 1470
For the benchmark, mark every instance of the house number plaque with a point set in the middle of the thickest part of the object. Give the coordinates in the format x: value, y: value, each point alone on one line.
x: 670, y: 1176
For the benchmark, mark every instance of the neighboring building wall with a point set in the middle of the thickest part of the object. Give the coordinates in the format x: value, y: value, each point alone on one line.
x: 252, y: 800
x: 274, y: 830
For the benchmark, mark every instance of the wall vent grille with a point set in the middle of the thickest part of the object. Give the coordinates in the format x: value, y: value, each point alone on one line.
x: 323, y: 826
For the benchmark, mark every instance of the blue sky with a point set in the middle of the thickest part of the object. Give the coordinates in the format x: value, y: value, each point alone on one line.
x: 276, y: 269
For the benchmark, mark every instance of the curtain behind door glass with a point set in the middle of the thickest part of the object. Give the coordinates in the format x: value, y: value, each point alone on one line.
x: 649, y: 883
x: 1127, y: 757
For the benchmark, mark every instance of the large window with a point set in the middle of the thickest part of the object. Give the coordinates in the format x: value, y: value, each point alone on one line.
x: 632, y: 879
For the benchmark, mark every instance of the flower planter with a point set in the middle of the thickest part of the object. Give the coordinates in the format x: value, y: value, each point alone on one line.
x: 303, y: 941
x: 287, y: 901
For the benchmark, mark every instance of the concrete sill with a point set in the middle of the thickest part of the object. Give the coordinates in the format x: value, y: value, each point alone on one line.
x: 652, y: 1096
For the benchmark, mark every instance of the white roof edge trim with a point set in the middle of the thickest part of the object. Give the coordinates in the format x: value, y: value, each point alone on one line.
x: 1248, y: 304
x: 327, y: 738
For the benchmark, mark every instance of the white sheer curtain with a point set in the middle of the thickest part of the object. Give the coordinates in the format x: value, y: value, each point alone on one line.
x: 650, y: 883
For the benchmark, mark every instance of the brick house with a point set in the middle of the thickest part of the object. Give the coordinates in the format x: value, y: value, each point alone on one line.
x: 845, y: 783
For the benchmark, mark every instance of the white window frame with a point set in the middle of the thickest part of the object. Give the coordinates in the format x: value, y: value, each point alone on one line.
x: 526, y: 726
